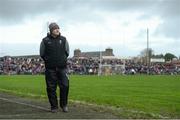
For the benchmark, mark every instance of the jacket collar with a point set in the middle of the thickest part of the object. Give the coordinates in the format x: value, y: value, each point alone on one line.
x: 50, y: 36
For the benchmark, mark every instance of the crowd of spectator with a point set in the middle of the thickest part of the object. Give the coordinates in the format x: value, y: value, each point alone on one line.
x: 16, y: 65
x: 10, y: 65
x: 154, y: 69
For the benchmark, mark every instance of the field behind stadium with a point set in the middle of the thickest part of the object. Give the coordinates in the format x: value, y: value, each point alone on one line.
x: 138, y: 96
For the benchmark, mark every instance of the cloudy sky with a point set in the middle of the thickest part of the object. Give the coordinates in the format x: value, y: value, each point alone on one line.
x: 91, y: 25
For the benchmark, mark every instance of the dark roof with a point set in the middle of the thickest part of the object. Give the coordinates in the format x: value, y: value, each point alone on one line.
x: 93, y: 54
x: 25, y: 56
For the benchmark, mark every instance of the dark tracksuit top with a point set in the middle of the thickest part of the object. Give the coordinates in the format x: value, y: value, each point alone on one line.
x: 54, y: 51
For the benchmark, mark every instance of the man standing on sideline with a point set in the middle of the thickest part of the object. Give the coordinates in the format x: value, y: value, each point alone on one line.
x: 54, y: 50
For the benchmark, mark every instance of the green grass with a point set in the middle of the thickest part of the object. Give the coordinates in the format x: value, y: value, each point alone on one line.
x: 136, y: 96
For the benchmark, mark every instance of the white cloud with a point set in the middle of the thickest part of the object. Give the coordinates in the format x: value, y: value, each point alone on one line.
x: 32, y: 30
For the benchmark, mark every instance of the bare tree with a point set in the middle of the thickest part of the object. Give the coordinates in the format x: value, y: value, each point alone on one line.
x: 146, y: 54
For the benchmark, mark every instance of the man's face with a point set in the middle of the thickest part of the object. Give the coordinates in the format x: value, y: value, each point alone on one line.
x: 56, y: 32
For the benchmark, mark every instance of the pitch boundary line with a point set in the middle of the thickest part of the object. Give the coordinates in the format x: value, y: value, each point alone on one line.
x: 15, y: 115
x: 25, y: 104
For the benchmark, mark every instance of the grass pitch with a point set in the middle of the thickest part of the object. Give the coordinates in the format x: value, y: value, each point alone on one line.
x: 138, y: 96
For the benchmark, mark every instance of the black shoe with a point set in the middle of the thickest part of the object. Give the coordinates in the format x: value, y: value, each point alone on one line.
x: 64, y: 109
x: 54, y: 110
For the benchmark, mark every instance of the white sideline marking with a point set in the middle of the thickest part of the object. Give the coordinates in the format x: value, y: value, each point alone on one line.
x: 26, y: 104
x: 16, y: 115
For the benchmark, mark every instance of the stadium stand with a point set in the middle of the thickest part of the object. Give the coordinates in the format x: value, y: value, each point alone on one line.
x: 88, y: 63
